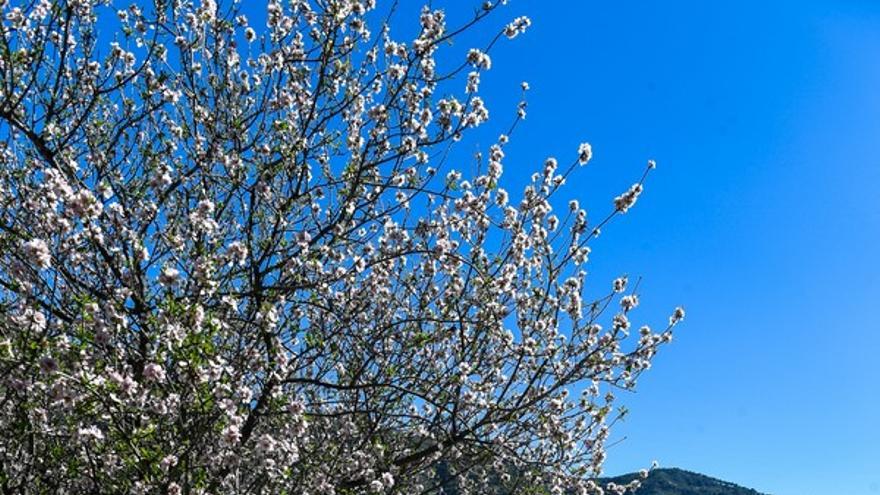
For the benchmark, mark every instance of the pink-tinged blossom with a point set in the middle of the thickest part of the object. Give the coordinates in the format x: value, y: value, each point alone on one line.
x: 231, y: 434
x: 265, y: 444
x: 154, y: 372
x: 84, y: 205
x: 37, y: 251
x: 202, y: 218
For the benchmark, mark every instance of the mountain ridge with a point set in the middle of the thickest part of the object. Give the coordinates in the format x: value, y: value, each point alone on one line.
x: 676, y: 481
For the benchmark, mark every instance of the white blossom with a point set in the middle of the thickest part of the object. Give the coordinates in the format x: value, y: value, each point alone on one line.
x: 479, y: 59
x: 677, y: 316
x: 91, y: 432
x: 517, y: 26
x: 626, y: 200
x: 585, y: 152
x: 38, y: 252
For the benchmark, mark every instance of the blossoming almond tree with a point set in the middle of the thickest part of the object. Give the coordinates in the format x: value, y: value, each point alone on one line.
x: 233, y: 259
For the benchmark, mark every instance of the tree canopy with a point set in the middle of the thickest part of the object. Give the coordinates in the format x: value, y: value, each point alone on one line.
x: 234, y: 258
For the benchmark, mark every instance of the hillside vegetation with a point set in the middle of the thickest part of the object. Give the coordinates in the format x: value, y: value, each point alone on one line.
x: 680, y: 482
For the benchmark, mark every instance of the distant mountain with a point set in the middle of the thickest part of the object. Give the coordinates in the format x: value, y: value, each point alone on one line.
x: 666, y: 481
x: 680, y: 482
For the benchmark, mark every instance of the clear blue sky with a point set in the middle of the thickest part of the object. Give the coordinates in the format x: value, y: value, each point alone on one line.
x: 762, y: 219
